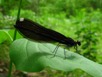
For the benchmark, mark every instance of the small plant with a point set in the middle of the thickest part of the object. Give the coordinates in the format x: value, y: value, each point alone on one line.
x: 88, y: 33
x: 89, y: 41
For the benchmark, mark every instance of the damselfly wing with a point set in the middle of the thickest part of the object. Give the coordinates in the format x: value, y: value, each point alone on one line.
x: 37, y: 32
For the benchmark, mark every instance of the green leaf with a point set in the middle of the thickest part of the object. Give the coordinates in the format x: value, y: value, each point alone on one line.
x: 4, y: 36
x: 32, y: 57
x: 18, y: 36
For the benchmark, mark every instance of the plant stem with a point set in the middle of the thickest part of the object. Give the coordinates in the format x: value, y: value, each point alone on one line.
x: 10, y: 69
x: 14, y: 38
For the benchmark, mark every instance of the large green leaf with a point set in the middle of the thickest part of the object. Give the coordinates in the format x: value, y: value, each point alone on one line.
x: 32, y: 56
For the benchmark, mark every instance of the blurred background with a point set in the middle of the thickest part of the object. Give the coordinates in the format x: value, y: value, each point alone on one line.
x: 78, y: 19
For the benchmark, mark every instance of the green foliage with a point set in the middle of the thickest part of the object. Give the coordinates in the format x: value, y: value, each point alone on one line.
x: 24, y: 13
x: 5, y: 41
x: 4, y: 47
x: 6, y: 22
x: 45, y: 6
x: 89, y: 41
x: 70, y: 7
x: 88, y: 28
x: 39, y: 56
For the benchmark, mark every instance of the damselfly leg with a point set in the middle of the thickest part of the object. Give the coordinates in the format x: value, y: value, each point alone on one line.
x: 55, y: 50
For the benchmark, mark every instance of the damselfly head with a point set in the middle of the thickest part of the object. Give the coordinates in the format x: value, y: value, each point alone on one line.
x: 78, y: 43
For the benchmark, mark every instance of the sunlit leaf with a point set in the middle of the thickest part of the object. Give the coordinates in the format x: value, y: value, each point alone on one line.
x: 4, y: 36
x: 32, y: 57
